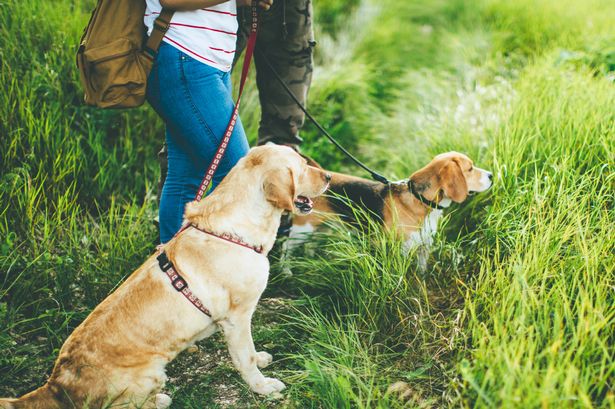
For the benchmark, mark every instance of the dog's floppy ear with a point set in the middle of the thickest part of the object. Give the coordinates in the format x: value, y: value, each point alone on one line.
x: 279, y: 188
x: 453, y: 182
x: 310, y: 161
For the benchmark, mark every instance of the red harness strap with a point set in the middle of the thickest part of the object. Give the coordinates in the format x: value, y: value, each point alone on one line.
x: 179, y: 283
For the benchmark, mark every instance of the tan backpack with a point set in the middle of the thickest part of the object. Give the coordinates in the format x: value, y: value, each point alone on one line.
x: 115, y: 55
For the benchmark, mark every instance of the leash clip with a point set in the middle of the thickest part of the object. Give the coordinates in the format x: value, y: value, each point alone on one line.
x: 379, y: 178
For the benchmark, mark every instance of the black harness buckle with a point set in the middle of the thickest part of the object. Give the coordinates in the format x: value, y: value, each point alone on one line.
x: 177, y: 281
x: 164, y: 262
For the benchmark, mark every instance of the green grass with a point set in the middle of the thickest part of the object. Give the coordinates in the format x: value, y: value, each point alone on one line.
x: 517, y: 306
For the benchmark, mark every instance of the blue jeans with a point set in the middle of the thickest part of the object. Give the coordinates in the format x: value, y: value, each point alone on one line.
x: 196, y: 104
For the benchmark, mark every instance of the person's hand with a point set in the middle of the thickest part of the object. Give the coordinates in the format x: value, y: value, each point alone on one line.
x: 264, y: 4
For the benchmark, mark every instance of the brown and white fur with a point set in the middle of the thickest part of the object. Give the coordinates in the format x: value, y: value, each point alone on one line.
x: 448, y: 178
x: 117, y: 356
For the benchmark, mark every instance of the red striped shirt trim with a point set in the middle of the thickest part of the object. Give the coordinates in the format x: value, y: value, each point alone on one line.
x: 220, y: 49
x: 205, y: 28
x: 211, y: 11
x: 192, y: 52
x: 220, y: 12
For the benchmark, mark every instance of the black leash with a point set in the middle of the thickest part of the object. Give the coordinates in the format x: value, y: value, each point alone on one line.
x: 374, y: 175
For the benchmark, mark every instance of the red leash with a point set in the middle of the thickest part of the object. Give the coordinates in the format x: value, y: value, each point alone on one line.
x: 177, y: 281
x: 247, y: 59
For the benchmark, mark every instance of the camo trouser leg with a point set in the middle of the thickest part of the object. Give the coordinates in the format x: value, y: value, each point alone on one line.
x: 285, y: 39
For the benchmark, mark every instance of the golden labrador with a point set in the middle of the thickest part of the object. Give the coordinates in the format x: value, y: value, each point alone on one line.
x: 117, y: 356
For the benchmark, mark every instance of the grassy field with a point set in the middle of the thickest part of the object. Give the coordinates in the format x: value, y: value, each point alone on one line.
x: 517, y: 309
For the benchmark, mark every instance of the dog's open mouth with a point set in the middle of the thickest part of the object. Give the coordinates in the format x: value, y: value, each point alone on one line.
x: 304, y: 204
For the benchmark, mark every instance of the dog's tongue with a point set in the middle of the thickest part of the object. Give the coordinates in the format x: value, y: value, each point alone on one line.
x: 305, y: 200
x: 304, y: 203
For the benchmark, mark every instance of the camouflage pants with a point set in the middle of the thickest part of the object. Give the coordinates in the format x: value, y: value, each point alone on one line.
x: 286, y: 40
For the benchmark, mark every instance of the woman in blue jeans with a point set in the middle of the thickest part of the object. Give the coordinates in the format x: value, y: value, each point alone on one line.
x: 190, y: 88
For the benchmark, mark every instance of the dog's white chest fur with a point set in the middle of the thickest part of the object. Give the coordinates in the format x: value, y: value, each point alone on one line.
x: 422, y: 239
x: 298, y: 235
x: 424, y: 236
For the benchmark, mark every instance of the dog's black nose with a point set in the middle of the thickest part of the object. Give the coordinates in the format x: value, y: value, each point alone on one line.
x: 328, y: 177
x: 490, y: 176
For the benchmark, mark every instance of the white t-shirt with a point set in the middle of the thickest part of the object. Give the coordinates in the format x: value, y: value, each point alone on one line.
x: 208, y: 35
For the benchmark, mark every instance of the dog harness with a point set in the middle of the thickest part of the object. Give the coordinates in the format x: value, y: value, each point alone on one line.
x: 179, y: 283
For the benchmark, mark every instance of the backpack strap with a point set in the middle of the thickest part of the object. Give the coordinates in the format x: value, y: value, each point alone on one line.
x: 161, y: 25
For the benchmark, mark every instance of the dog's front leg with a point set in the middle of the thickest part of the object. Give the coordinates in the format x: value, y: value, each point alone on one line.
x: 238, y: 334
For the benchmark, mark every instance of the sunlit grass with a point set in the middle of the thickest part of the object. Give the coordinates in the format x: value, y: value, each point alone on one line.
x: 541, y: 316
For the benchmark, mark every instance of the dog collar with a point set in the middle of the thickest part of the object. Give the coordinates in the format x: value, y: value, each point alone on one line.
x: 422, y: 198
x: 231, y: 239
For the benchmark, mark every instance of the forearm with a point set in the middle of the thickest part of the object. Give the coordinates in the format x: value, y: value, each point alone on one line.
x: 183, y: 5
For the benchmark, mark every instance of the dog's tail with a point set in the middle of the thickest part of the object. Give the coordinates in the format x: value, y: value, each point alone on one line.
x: 42, y: 398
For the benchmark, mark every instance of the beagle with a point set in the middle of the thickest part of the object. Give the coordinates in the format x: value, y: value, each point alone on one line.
x: 411, y: 208
x: 117, y: 356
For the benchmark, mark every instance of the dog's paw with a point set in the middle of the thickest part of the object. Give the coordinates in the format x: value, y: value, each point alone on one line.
x: 163, y: 401
x: 263, y: 359
x: 268, y: 386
